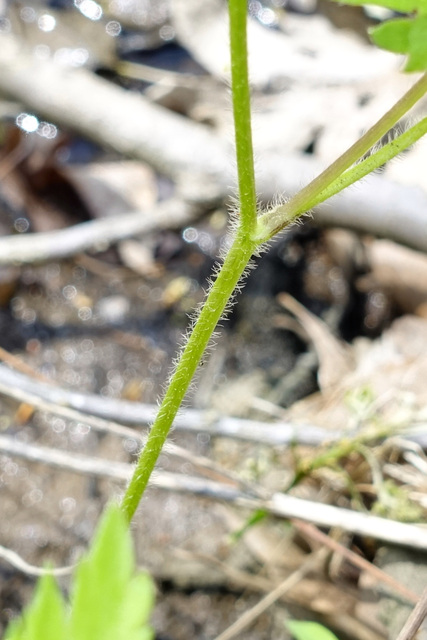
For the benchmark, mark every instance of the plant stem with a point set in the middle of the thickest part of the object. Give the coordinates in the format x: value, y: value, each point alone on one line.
x: 373, y: 162
x: 242, y: 114
x: 228, y: 276
x: 279, y: 217
x: 231, y: 271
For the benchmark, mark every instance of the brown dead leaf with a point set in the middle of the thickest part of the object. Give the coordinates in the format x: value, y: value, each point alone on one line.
x: 335, y: 360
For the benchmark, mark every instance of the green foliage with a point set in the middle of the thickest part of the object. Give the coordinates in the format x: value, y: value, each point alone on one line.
x: 309, y: 631
x: 402, y: 35
x: 109, y: 601
x: 405, y: 35
x: 394, y: 502
x: 45, y: 617
x: 259, y: 515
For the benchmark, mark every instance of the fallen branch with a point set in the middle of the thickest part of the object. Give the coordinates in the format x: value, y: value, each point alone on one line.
x: 415, y: 620
x: 286, y: 585
x: 280, y: 505
x: 111, y: 116
x: 191, y: 153
x: 19, y: 563
x: 25, y: 389
x: 95, y: 235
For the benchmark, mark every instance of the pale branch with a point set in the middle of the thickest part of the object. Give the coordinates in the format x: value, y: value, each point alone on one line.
x: 191, y: 153
x: 22, y: 565
x: 95, y: 235
x: 125, y: 121
x: 280, y: 433
x: 25, y: 389
x: 201, y: 463
x: 280, y: 505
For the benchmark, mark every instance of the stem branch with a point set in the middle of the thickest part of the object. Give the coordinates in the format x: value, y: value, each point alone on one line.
x: 278, y: 218
x: 373, y: 162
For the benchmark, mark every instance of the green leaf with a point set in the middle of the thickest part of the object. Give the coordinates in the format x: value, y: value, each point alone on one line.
x: 402, y: 6
x: 108, y: 601
x: 138, y: 603
x: 101, y: 579
x: 309, y: 631
x: 405, y: 36
x: 417, y: 60
x: 45, y: 618
x: 392, y: 35
x: 257, y: 516
x: 15, y: 630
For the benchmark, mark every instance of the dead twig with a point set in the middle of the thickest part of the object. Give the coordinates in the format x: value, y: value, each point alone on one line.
x: 415, y: 620
x: 281, y: 505
x: 364, y: 524
x: 203, y: 464
x: 94, y: 235
x: 280, y: 433
x: 19, y: 365
x: 315, y: 534
x: 18, y: 386
x: 250, y: 616
x: 19, y: 563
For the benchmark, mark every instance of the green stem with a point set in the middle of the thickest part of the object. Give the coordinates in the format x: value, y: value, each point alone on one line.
x: 231, y: 271
x: 228, y: 277
x: 242, y: 114
x: 279, y: 217
x: 373, y: 162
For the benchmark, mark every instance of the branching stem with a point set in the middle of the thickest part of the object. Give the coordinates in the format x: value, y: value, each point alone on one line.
x: 279, y: 217
x: 253, y: 231
x: 372, y: 162
x: 228, y: 277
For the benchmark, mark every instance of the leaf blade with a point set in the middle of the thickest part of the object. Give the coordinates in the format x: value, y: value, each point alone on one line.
x: 45, y: 617
x: 392, y: 35
x: 302, y: 630
x: 102, y: 578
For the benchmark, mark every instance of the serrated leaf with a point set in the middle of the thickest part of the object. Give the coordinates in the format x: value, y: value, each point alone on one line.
x: 109, y: 600
x: 405, y: 36
x: 309, y: 631
x: 45, y: 618
x: 101, y: 579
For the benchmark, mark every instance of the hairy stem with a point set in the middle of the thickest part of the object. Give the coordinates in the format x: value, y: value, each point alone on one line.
x: 253, y: 231
x: 373, y: 162
x: 242, y: 114
x: 278, y: 218
x: 231, y: 271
